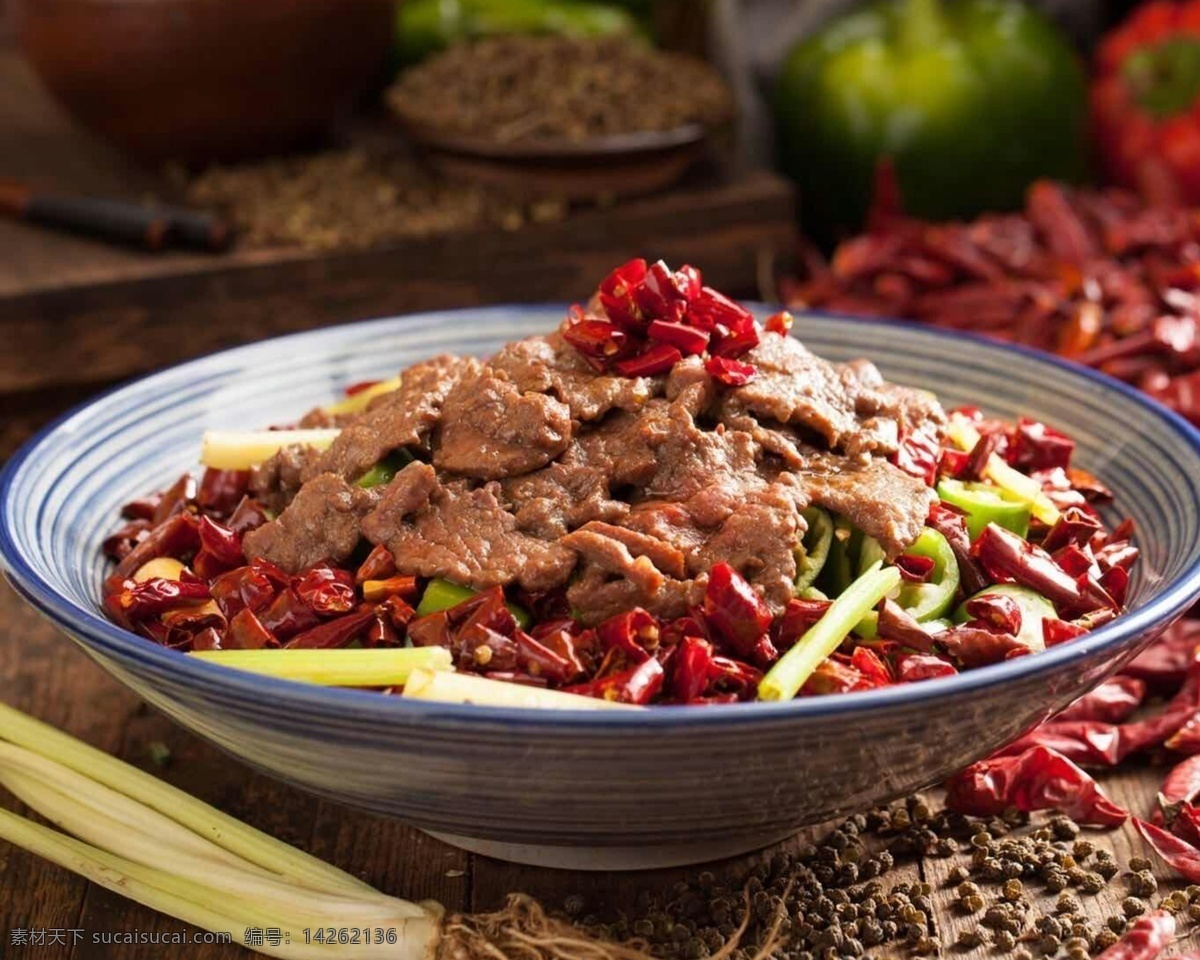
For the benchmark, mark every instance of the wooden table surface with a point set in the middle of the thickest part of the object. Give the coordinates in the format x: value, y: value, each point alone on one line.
x: 44, y: 674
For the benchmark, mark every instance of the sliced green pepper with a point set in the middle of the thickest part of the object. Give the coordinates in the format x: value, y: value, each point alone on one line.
x: 443, y: 594
x: 1034, y: 609
x: 814, y: 549
x: 386, y: 469
x: 840, y: 568
x: 870, y: 552
x: 930, y: 600
x: 984, y: 504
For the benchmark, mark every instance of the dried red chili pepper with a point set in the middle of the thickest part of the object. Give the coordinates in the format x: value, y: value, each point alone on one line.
x: 690, y: 670
x: 922, y: 666
x: 738, y: 614
x: 157, y: 595
x: 617, y: 294
x: 996, y: 611
x: 1035, y: 446
x: 1113, y: 701
x: 223, y: 544
x: 896, y: 623
x: 1038, y: 779
x: 871, y: 667
x: 288, y: 615
x: 734, y: 676
x: 919, y: 454
x: 731, y: 373
x: 1055, y: 632
x: 914, y: 567
x: 654, y: 360
x: 636, y: 685
x: 1146, y: 939
x: 1182, y: 783
x: 1010, y: 559
x: 1075, y: 527
x: 398, y: 586
x: 1187, y: 738
x: 333, y: 633
x: 120, y: 544
x: 797, y: 617
x: 780, y: 323
x: 597, y: 339
x: 688, y: 340
x: 663, y: 294
x: 834, y: 675
x: 1090, y: 743
x: 1164, y: 664
x: 221, y: 491
x: 949, y: 522
x: 177, y: 537
x: 1176, y: 852
x: 246, y: 632
x: 175, y: 499
x: 431, y: 630
x: 379, y: 565
x: 635, y: 633
x: 252, y: 586
x: 327, y: 590
x: 539, y: 660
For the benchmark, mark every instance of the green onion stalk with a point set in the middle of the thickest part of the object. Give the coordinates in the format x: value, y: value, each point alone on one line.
x: 131, y: 833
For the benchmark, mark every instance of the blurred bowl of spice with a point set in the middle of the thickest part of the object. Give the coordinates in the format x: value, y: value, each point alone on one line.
x: 574, y: 117
x: 199, y: 81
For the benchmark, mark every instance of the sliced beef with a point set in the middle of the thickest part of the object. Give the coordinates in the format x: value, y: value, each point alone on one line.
x: 877, y: 497
x: 550, y: 502
x: 449, y: 530
x: 490, y: 429
x: 690, y: 458
x: 794, y: 386
x: 321, y: 523
x: 550, y: 365
x: 595, y: 595
x: 278, y: 478
x: 849, y: 405
x: 402, y: 418
x: 690, y: 384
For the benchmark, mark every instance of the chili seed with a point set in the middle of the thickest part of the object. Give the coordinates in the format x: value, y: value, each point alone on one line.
x: 1049, y: 944
x: 1092, y: 883
x: 1082, y: 849
x: 1013, y: 889
x: 1107, y: 869
x: 1133, y: 907
x: 968, y: 940
x: 1004, y: 940
x: 1138, y: 864
x: 1105, y: 939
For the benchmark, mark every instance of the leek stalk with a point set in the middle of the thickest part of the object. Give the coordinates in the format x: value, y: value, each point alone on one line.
x: 465, y: 688
x: 226, y: 450
x: 964, y: 436
x: 334, y: 668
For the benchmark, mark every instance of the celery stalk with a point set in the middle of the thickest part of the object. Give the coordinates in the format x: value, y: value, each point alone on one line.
x: 149, y: 849
x: 225, y: 450
x: 334, y: 668
x: 784, y: 680
x: 465, y: 688
x: 208, y: 822
x: 965, y: 436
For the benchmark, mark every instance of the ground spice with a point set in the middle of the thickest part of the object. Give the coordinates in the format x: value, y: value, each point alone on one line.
x: 353, y: 199
x: 527, y: 89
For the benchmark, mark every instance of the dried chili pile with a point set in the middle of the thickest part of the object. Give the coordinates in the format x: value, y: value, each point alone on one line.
x: 1094, y: 276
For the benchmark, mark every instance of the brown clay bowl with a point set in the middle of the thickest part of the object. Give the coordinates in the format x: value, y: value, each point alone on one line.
x: 201, y: 81
x: 618, y: 166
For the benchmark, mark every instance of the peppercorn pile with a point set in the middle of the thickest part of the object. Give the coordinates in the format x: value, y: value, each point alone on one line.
x: 854, y: 893
x: 1095, y: 276
x: 519, y: 89
x: 354, y: 198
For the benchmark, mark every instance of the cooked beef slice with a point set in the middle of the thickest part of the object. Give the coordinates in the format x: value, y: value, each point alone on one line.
x: 848, y: 405
x: 278, y: 478
x: 463, y: 535
x: 402, y: 418
x: 690, y: 384
x: 877, y: 497
x: 689, y: 458
x: 550, y: 502
x: 321, y: 523
x: 595, y: 596
x: 550, y: 365
x: 490, y: 429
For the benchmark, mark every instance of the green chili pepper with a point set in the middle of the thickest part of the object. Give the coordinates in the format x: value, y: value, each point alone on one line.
x: 870, y: 552
x: 784, y: 680
x: 1034, y: 609
x: 840, y: 567
x: 814, y: 549
x: 385, y: 470
x: 984, y: 504
x: 443, y: 594
x: 930, y: 600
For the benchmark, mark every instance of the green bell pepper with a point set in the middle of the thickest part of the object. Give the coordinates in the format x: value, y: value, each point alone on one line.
x: 443, y: 594
x: 424, y: 27
x: 1034, y: 609
x: 814, y: 549
x: 971, y: 101
x: 986, y: 503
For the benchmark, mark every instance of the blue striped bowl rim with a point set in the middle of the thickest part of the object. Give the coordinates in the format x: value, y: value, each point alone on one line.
x: 28, y: 494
